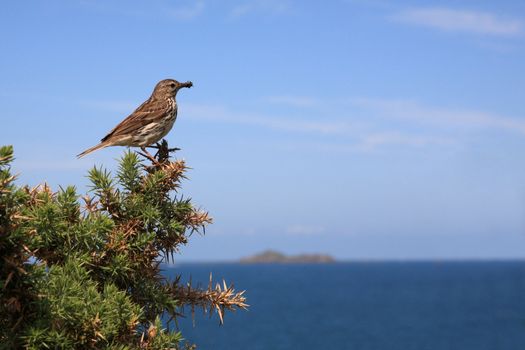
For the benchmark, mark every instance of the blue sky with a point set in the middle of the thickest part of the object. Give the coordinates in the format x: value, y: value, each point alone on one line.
x: 363, y: 129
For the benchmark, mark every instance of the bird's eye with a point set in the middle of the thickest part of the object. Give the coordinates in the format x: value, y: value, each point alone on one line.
x: 172, y: 85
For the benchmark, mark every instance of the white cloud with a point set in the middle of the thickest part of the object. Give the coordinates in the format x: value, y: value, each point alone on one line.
x: 417, y: 126
x: 359, y: 138
x: 461, y: 21
x: 294, y: 101
x: 375, y: 140
x: 187, y: 12
x: 305, y: 230
x: 278, y: 123
x: 413, y: 111
x: 264, y: 6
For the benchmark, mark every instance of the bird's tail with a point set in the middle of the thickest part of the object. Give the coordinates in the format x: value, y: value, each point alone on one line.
x: 92, y: 149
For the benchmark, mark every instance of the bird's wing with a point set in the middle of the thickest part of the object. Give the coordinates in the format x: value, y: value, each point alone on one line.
x: 146, y: 113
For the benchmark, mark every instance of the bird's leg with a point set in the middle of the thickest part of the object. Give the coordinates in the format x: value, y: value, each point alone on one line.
x: 158, y: 146
x: 148, y: 155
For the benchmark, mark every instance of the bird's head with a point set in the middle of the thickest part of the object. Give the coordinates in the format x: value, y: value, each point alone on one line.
x: 169, y: 87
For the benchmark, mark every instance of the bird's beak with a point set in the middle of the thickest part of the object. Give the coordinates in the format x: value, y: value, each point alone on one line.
x: 187, y: 84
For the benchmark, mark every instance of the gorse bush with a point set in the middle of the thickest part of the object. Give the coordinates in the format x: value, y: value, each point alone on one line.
x: 80, y: 272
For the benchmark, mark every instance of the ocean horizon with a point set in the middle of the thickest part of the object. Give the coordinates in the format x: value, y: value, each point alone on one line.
x: 348, y: 261
x: 364, y: 305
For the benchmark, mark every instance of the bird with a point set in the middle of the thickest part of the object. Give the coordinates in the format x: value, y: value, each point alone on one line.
x: 149, y: 123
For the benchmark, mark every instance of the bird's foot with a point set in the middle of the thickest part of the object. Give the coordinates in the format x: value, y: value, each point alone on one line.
x: 163, y: 145
x: 163, y: 151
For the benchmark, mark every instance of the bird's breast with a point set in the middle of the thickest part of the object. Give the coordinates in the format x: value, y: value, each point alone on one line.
x: 172, y: 112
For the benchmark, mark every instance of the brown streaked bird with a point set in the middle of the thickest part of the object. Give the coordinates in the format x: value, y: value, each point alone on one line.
x: 149, y: 123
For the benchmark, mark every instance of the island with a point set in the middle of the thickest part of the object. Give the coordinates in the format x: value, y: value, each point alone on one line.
x: 271, y: 256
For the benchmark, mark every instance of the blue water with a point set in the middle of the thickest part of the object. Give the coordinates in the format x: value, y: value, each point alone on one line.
x: 361, y: 306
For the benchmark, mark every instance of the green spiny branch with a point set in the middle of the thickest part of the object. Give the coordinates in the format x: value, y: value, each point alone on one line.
x: 84, y: 271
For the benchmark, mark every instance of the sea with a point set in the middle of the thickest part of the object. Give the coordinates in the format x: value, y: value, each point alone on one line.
x: 364, y: 306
